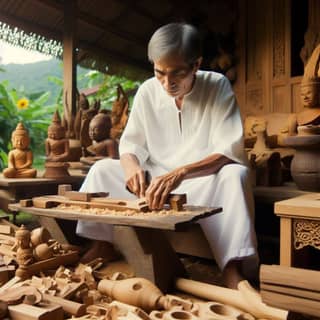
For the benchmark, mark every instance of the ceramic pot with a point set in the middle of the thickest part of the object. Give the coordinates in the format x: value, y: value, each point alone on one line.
x: 305, y: 165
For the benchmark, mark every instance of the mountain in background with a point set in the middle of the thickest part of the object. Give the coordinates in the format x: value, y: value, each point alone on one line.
x: 33, y: 77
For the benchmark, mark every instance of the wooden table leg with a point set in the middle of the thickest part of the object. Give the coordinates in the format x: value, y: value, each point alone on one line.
x: 286, y: 243
x: 52, y: 226
x: 150, y: 254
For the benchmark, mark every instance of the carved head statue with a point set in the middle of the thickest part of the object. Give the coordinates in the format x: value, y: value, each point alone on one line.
x: 56, y: 131
x: 310, y: 85
x: 20, y: 137
x: 100, y: 126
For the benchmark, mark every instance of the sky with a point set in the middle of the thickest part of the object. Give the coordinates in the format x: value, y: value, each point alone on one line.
x: 12, y: 54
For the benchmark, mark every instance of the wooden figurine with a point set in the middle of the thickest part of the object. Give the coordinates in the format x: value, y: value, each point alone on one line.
x: 20, y: 158
x: 266, y: 161
x: 102, y: 145
x: 119, y: 113
x: 24, y: 248
x: 57, y: 149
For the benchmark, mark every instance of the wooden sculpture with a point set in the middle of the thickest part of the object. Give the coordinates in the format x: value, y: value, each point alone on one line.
x: 20, y: 158
x: 57, y: 149
x: 102, y: 145
x: 305, y: 167
x: 138, y: 292
x: 24, y: 248
x: 265, y: 161
x: 119, y: 113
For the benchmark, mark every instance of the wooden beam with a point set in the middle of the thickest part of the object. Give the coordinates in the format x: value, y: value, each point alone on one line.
x: 97, y: 23
x: 69, y: 64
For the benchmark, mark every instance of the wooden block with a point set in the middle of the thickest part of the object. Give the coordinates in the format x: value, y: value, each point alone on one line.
x: 5, y: 229
x: 70, y: 307
x: 84, y: 196
x: 177, y: 201
x: 291, y: 277
x: 63, y: 188
x: 26, y: 203
x: 27, y: 312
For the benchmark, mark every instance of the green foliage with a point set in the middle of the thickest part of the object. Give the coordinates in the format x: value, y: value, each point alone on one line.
x: 42, y: 85
x: 108, y: 87
x: 36, y: 118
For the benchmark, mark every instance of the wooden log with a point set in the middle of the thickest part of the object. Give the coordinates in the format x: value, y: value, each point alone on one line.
x: 246, y: 300
x: 27, y: 312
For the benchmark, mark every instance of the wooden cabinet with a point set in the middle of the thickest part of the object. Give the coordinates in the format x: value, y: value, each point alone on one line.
x: 270, y: 38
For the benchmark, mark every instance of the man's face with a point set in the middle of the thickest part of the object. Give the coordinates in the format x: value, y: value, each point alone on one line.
x: 175, y: 75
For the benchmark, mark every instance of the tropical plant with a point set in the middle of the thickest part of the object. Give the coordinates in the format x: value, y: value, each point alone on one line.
x: 107, y: 92
x: 31, y: 109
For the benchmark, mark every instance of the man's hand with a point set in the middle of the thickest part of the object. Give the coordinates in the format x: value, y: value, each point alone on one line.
x: 160, y: 187
x: 136, y: 182
x: 134, y: 175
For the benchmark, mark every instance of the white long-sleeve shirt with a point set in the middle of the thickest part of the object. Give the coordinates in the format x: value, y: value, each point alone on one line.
x: 209, y: 122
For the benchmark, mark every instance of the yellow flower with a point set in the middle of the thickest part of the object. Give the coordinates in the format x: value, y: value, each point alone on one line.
x: 22, y: 103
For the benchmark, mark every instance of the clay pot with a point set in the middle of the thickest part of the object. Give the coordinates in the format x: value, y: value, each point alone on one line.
x: 138, y: 292
x: 39, y: 235
x: 43, y: 252
x: 305, y: 165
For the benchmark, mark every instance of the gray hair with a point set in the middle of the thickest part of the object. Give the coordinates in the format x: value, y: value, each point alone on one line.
x: 175, y: 38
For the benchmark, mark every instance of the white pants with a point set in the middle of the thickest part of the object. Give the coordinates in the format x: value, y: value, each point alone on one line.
x: 230, y: 233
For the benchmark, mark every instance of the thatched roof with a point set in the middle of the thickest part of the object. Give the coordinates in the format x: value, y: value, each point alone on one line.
x: 110, y: 33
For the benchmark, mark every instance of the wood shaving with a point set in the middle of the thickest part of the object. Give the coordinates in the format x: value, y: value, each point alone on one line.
x: 106, y: 211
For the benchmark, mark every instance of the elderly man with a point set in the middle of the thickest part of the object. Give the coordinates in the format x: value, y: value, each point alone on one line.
x: 185, y: 130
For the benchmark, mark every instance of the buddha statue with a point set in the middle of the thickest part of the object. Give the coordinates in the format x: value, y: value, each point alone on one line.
x: 57, y: 149
x: 20, y: 158
x: 305, y: 167
x: 102, y: 144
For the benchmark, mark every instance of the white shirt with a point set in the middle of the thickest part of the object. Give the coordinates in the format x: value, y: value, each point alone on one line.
x: 210, y: 123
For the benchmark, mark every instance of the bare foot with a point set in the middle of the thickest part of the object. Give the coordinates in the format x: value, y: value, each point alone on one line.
x: 232, y: 275
x: 100, y: 249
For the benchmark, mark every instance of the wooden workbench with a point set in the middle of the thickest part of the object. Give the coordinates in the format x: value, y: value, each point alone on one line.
x: 139, y: 237
x: 13, y: 189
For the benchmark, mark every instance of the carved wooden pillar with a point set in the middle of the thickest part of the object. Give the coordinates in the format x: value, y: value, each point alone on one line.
x: 69, y: 64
